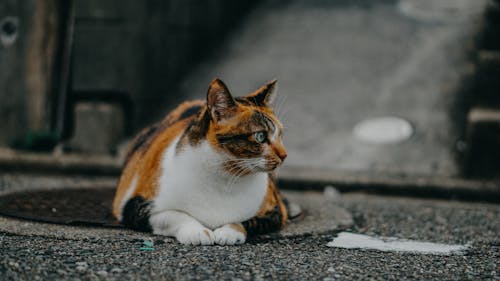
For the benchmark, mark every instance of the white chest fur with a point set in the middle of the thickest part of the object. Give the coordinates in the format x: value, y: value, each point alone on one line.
x: 193, y: 182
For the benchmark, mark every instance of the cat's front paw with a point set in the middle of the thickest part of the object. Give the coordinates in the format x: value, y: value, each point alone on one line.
x: 230, y: 234
x: 195, y: 234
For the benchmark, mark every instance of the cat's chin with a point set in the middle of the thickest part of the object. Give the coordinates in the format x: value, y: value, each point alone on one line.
x: 266, y: 169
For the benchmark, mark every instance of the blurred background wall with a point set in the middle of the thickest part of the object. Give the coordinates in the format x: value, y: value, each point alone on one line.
x: 29, y: 46
x: 83, y: 76
x: 56, y: 54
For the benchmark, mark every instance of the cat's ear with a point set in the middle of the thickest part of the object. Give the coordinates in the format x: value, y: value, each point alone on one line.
x: 220, y: 103
x: 265, y: 95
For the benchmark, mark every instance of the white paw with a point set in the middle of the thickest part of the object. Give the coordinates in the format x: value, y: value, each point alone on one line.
x: 229, y: 235
x: 195, y: 234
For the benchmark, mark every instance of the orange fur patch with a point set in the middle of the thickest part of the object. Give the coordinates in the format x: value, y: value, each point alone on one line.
x: 149, y: 170
x: 147, y: 166
x: 238, y: 227
x: 124, y: 184
x: 271, y: 200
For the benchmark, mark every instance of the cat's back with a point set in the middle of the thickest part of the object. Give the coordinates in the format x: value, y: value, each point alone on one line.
x: 142, y: 163
x: 185, y: 111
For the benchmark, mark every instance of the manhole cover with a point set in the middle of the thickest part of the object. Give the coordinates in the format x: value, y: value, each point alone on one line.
x: 91, y: 207
x: 70, y: 206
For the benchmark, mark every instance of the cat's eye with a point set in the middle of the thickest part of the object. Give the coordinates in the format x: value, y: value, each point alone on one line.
x: 260, y: 137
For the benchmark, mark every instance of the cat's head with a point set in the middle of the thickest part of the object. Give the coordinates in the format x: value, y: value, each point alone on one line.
x: 245, y: 129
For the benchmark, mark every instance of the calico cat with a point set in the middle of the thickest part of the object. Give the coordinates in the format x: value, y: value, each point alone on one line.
x: 204, y: 174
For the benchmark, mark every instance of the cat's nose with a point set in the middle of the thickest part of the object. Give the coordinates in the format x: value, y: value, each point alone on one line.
x: 280, y: 150
x: 282, y: 155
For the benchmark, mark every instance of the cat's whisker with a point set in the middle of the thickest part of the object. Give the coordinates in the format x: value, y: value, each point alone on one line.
x: 244, y: 166
x: 243, y: 161
x: 284, y: 116
x: 237, y: 176
x: 239, y: 173
x: 255, y: 164
x: 279, y: 105
x: 232, y: 170
x: 281, y: 112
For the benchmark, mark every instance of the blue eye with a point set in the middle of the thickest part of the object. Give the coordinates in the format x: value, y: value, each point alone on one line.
x: 260, y: 137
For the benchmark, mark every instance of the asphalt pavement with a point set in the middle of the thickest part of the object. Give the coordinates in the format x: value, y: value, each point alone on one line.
x: 338, y: 63
x: 117, y: 255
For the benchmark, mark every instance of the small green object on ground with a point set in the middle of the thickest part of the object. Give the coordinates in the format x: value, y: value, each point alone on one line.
x: 147, y: 245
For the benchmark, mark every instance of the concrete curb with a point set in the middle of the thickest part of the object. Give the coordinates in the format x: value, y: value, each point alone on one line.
x: 290, y: 177
x: 303, y: 178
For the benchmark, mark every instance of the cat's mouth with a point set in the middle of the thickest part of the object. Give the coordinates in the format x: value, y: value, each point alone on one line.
x: 267, y: 170
x: 271, y: 166
x: 241, y: 167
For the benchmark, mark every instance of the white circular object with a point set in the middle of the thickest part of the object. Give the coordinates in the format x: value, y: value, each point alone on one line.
x: 383, y: 130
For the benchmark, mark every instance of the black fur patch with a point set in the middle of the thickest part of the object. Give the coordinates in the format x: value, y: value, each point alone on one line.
x: 136, y: 214
x: 259, y: 225
x: 193, y: 110
x: 198, y: 129
x: 264, y: 120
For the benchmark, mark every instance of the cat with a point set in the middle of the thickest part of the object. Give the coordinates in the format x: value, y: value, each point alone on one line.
x: 204, y: 174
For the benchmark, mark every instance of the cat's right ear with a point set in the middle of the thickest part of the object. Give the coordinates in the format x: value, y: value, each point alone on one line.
x: 220, y: 103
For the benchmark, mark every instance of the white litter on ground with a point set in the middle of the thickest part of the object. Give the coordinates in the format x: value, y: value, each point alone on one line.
x: 349, y: 240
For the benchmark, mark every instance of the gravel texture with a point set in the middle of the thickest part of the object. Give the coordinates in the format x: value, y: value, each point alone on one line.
x: 36, y: 257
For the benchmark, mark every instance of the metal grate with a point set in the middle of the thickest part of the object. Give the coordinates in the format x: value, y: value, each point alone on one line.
x: 87, y: 207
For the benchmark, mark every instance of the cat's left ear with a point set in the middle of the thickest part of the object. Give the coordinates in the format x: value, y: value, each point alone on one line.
x: 265, y: 95
x: 220, y: 103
